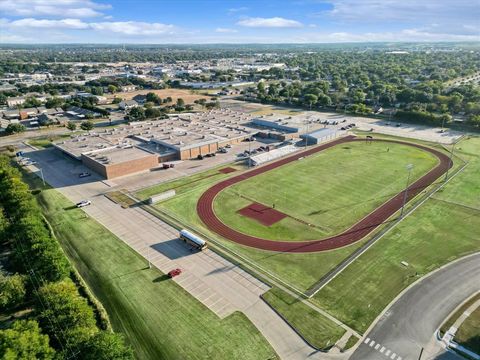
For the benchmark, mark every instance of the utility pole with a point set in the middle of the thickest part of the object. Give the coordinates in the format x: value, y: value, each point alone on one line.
x: 409, y: 168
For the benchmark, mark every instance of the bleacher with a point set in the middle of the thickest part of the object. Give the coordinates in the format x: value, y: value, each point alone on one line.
x: 273, y: 154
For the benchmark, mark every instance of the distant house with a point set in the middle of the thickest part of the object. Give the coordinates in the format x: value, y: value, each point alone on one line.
x: 45, y: 119
x: 128, y: 88
x: 10, y: 114
x: 15, y: 101
x: 127, y: 104
x: 141, y: 99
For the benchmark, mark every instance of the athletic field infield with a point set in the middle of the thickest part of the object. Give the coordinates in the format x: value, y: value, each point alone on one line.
x: 322, y: 198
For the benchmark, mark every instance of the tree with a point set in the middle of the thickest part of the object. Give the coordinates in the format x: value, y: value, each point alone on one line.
x: 31, y: 101
x: 153, y: 112
x: 67, y: 314
x: 136, y: 114
x: 12, y: 291
x: 310, y: 99
x: 112, y: 89
x: 152, y: 97
x: 106, y: 345
x: 54, y: 102
x: 24, y: 340
x: 116, y: 100
x: 180, y: 103
x: 71, y: 126
x: 86, y: 125
x: 14, y: 129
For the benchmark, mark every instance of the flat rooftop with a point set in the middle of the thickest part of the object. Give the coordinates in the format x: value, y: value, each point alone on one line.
x: 78, y: 145
x: 288, y: 123
x: 118, y: 155
x: 179, y: 132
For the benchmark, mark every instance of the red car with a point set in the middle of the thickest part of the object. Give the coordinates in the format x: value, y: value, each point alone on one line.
x: 174, y: 272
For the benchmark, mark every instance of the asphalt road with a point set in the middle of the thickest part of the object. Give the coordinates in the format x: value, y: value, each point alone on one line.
x: 409, y: 325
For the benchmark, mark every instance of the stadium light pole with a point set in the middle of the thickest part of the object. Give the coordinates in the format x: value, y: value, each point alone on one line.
x: 409, y: 168
x: 148, y: 256
x: 250, y: 153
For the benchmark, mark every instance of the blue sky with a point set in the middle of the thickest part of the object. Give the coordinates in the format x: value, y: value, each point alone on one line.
x: 217, y: 21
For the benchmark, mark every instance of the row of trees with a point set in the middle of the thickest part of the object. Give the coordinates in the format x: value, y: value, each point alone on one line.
x: 62, y: 323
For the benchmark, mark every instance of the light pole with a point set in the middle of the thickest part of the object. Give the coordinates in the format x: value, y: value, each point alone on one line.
x: 148, y: 256
x: 409, y: 168
x: 41, y: 174
x: 306, y: 134
x: 250, y: 153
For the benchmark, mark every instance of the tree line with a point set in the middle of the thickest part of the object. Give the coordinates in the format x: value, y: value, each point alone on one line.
x: 60, y: 322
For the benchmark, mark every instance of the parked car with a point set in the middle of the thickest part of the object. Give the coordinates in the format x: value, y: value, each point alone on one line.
x: 222, y: 150
x: 84, y: 174
x: 174, y: 272
x: 83, y: 203
x: 228, y: 146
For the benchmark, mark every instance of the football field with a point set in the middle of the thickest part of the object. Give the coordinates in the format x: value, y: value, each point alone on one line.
x: 325, y: 193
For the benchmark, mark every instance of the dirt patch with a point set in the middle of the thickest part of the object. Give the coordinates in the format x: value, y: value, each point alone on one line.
x: 186, y: 95
x: 265, y: 215
x: 227, y: 170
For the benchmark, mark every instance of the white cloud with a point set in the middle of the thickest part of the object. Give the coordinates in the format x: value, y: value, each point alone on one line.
x: 52, y: 8
x: 425, y: 11
x: 49, y: 24
x: 275, y: 22
x: 225, y: 30
x: 133, y: 28
x: 406, y: 35
x: 236, y: 10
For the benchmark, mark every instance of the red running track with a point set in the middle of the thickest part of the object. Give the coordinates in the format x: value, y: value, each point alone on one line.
x: 353, y: 234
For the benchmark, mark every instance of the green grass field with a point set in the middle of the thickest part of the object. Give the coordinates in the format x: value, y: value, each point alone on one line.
x: 441, y: 230
x: 159, y: 319
x: 299, y: 270
x: 468, y: 333
x: 316, y: 328
x: 331, y: 190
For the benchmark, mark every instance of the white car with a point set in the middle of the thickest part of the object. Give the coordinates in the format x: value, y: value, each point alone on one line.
x: 83, y: 203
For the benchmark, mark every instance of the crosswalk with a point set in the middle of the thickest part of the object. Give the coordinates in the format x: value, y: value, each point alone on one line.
x: 389, y: 354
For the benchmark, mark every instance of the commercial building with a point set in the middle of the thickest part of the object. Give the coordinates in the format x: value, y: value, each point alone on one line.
x: 142, y: 146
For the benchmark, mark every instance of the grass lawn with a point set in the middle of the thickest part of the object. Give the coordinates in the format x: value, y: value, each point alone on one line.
x: 314, y: 327
x: 300, y: 270
x: 451, y: 320
x: 468, y: 334
x: 119, y: 197
x: 437, y: 233
x: 159, y: 319
x: 332, y: 189
x: 45, y: 142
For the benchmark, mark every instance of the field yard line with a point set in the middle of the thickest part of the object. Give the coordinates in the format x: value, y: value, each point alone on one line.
x: 342, y: 266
